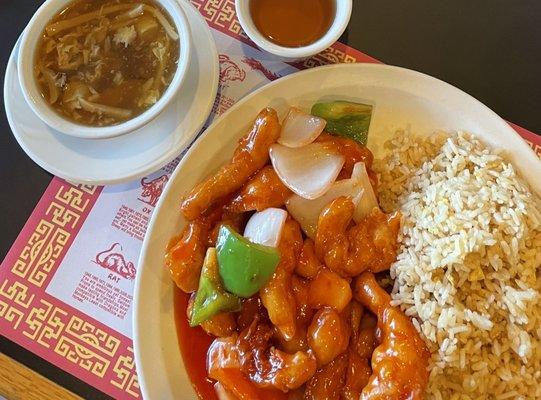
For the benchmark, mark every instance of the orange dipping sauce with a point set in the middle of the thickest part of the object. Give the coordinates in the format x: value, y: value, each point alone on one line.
x: 292, y: 23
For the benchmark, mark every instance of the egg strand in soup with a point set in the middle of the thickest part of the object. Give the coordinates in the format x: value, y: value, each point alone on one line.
x: 102, y: 62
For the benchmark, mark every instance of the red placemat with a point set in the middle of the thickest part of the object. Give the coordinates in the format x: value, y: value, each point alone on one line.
x: 66, y: 285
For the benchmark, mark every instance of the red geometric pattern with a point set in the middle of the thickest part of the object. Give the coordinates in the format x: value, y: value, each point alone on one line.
x: 220, y: 14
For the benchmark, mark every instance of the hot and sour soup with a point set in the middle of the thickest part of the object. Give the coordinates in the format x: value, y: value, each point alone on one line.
x: 103, y: 62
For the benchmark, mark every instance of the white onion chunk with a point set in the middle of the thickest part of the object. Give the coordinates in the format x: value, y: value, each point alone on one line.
x: 300, y: 129
x: 266, y: 227
x: 308, y: 171
x: 307, y: 212
x: 368, y: 201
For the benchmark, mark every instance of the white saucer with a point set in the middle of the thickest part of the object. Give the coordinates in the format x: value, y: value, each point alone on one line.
x: 110, y: 161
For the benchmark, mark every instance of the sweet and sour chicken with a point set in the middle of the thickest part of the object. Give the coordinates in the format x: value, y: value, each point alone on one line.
x: 319, y: 326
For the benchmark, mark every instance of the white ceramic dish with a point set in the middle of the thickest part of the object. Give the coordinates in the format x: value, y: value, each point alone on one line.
x: 401, y: 98
x: 127, y: 157
x: 338, y: 26
x: 25, y: 68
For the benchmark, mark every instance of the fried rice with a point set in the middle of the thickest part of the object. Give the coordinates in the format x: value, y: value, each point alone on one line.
x: 468, y: 270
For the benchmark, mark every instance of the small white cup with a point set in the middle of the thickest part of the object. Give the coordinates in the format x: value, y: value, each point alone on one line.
x: 25, y: 67
x: 338, y: 26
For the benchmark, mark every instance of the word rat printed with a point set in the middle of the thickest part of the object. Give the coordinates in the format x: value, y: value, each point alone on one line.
x: 115, y: 261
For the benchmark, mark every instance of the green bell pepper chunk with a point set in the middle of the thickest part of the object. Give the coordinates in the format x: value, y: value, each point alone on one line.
x: 345, y: 118
x: 245, y: 267
x: 211, y: 298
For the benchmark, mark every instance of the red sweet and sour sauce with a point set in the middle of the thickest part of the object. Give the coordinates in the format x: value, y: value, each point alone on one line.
x: 194, y: 343
x: 292, y: 23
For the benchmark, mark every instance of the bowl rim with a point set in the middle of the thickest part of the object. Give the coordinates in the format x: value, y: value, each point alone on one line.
x: 339, y: 24
x: 25, y: 70
x: 140, y: 306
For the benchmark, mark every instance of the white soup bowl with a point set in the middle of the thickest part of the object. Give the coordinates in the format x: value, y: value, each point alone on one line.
x: 25, y: 66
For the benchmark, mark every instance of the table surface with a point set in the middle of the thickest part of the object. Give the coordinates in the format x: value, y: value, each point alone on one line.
x: 489, y: 48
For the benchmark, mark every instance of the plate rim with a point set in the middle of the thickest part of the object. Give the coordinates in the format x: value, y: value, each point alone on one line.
x: 202, y: 139
x: 308, y: 71
x: 159, y: 162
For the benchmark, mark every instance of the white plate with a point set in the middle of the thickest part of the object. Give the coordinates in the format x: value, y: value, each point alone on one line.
x: 124, y: 158
x: 401, y: 98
